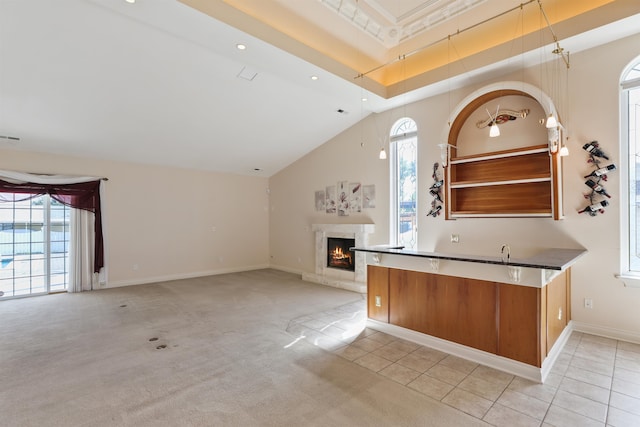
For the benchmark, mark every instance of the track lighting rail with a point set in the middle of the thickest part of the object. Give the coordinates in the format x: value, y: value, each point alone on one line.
x: 558, y: 50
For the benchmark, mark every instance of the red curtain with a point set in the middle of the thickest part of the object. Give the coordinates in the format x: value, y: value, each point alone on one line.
x: 85, y: 195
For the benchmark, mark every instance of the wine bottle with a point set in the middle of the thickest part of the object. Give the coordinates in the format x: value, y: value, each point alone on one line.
x: 437, y: 184
x: 597, y: 188
x: 595, y: 207
x: 602, y: 171
x: 592, y: 148
x: 435, y: 211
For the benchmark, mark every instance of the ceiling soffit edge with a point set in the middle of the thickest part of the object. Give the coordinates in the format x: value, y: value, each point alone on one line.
x: 430, y: 65
x: 434, y: 64
x: 224, y: 12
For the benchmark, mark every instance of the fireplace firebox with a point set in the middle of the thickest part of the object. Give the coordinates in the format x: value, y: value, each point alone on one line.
x: 338, y: 254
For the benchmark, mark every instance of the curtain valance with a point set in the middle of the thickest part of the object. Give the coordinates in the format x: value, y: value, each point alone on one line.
x: 76, y: 192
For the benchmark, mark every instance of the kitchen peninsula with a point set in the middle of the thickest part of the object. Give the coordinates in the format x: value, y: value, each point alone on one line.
x: 508, y: 313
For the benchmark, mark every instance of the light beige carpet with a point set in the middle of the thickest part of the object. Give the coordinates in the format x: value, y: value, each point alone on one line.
x: 222, y: 357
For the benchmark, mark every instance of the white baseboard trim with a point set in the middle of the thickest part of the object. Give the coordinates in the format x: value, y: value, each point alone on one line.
x: 360, y: 288
x: 606, y: 332
x: 348, y: 285
x: 555, y: 351
x: 286, y: 269
x: 504, y: 364
x: 168, y: 278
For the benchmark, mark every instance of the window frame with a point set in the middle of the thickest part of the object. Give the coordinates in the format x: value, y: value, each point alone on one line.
x: 628, y: 177
x: 46, y: 275
x: 394, y: 137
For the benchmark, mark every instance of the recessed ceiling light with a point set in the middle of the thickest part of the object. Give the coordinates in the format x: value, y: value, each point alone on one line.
x: 130, y: 1
x: 364, y: 99
x: 241, y: 46
x: 257, y: 169
x: 314, y: 77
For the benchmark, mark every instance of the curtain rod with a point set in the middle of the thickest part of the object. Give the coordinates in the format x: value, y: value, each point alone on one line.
x: 420, y: 49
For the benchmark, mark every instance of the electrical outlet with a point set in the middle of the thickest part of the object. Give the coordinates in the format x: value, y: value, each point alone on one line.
x: 588, y: 303
x: 455, y: 238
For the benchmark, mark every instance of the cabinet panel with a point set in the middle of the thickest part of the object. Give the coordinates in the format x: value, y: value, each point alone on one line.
x: 469, y: 312
x: 557, y: 312
x: 378, y: 286
x: 519, y: 323
x: 408, y: 300
x: 455, y: 309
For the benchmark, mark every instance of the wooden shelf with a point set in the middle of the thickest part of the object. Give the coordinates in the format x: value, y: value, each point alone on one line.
x: 542, y: 148
x: 477, y: 183
x: 514, y: 182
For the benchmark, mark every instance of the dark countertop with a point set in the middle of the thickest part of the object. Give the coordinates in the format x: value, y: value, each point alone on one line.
x: 548, y: 259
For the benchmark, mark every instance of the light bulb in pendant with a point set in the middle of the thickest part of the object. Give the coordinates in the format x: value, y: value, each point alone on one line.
x: 494, y: 130
x: 551, y: 122
x: 383, y: 154
x: 564, y: 151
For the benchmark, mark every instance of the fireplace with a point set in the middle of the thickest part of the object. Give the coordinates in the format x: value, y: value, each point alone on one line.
x: 338, y: 253
x: 353, y: 279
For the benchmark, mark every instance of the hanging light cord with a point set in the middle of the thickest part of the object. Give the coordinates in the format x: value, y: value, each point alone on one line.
x: 558, y: 50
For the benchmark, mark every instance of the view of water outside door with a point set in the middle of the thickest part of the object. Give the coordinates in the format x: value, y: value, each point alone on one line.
x: 34, y: 246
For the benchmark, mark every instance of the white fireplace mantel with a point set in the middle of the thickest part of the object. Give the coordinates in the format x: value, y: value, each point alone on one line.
x: 351, y: 280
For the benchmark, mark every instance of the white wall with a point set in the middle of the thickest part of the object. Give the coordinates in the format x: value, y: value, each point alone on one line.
x: 594, y: 115
x: 160, y: 219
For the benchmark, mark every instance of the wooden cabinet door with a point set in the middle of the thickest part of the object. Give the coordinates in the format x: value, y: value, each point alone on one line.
x: 469, y: 311
x: 406, y: 299
x: 520, y: 308
x: 378, y: 293
x: 557, y: 310
x: 452, y: 308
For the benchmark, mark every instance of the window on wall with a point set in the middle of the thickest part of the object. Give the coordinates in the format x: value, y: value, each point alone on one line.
x: 404, y: 177
x: 630, y: 224
x: 34, y: 246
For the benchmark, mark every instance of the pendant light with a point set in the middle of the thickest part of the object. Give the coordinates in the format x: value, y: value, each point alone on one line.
x: 494, y: 130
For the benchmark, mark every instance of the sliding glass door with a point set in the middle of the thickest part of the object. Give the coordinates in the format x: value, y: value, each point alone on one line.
x: 34, y: 246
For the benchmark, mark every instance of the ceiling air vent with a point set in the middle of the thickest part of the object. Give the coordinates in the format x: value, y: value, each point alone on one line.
x: 247, y: 74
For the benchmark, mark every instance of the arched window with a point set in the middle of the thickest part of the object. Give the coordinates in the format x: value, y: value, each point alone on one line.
x: 630, y: 174
x: 404, y: 178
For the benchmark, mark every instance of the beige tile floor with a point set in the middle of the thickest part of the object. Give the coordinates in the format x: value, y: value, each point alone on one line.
x: 594, y: 382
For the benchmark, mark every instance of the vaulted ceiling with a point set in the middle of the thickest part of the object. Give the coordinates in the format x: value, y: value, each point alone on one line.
x: 163, y: 82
